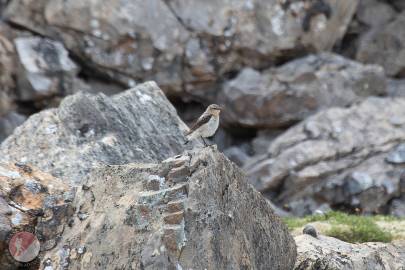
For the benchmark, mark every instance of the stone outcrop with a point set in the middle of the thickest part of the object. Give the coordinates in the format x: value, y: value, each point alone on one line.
x: 191, y: 211
x: 31, y: 200
x: 89, y: 130
x: 352, y: 157
x: 329, y: 253
x: 187, y: 51
x: 290, y: 93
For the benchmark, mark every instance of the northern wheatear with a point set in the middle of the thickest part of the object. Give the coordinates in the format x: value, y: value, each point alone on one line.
x: 206, y: 125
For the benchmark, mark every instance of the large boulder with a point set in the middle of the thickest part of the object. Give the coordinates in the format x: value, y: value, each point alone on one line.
x: 285, y: 95
x: 88, y: 130
x: 31, y: 200
x: 342, y: 157
x: 329, y: 253
x: 191, y: 211
x: 194, y: 45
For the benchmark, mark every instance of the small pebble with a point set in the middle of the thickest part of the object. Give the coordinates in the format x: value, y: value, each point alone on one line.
x: 310, y: 230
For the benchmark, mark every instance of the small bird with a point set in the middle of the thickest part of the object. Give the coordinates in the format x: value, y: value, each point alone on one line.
x: 206, y: 125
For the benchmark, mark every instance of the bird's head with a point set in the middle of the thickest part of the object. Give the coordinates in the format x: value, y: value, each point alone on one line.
x: 214, y: 109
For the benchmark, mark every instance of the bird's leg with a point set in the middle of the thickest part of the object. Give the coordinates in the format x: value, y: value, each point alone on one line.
x: 205, y: 144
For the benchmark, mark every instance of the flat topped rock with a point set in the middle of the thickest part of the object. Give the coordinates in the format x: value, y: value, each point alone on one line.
x: 139, y: 125
x: 211, y: 220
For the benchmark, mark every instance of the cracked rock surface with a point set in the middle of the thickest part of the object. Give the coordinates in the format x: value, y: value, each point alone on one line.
x: 193, y: 210
x: 89, y: 130
x: 187, y: 51
x: 350, y: 157
x: 290, y: 93
x: 330, y: 253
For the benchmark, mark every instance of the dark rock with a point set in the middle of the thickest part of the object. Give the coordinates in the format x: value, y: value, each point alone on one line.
x: 310, y: 230
x: 397, y: 207
x: 290, y: 93
x: 8, y: 123
x: 170, y: 226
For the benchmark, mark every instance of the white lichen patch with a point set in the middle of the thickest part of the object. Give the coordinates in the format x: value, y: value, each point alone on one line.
x: 143, y: 98
x: 277, y: 21
x: 8, y: 173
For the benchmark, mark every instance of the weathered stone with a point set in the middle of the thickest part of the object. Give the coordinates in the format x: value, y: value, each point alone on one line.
x: 31, y: 199
x: 339, y: 157
x: 190, y: 230
x: 89, y: 130
x: 397, y: 156
x: 385, y: 46
x: 45, y: 68
x: 290, y: 93
x: 398, y: 4
x: 9, y: 122
x: 187, y: 51
x: 330, y: 253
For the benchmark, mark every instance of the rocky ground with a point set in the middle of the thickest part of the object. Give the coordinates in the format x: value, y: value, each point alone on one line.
x: 314, y: 97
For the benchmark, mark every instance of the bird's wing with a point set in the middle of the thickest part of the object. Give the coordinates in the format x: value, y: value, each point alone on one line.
x: 201, y: 121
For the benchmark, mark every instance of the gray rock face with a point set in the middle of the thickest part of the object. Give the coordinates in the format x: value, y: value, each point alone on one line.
x: 374, y: 12
x: 385, y: 46
x: 88, y: 130
x: 45, y: 68
x: 330, y: 253
x: 396, y: 88
x: 8, y: 123
x: 340, y: 157
x: 290, y: 93
x: 192, y: 211
x: 187, y: 51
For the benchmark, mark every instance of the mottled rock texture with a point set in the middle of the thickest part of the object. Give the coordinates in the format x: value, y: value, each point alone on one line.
x: 285, y: 95
x: 31, y: 200
x: 343, y: 157
x: 194, y: 45
x: 192, y: 211
x: 89, y: 130
x: 332, y: 254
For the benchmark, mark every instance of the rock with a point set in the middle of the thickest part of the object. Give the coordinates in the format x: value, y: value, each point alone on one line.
x: 89, y: 130
x: 201, y: 200
x: 397, y: 207
x: 330, y: 253
x: 285, y: 95
x: 31, y: 200
x: 237, y: 155
x: 385, y: 46
x: 187, y: 52
x: 310, y: 230
x: 396, y: 88
x: 8, y: 123
x: 397, y: 156
x: 374, y: 12
x: 45, y: 68
x: 341, y: 157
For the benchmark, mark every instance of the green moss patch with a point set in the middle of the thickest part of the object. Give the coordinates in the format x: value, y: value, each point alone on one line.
x: 348, y: 228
